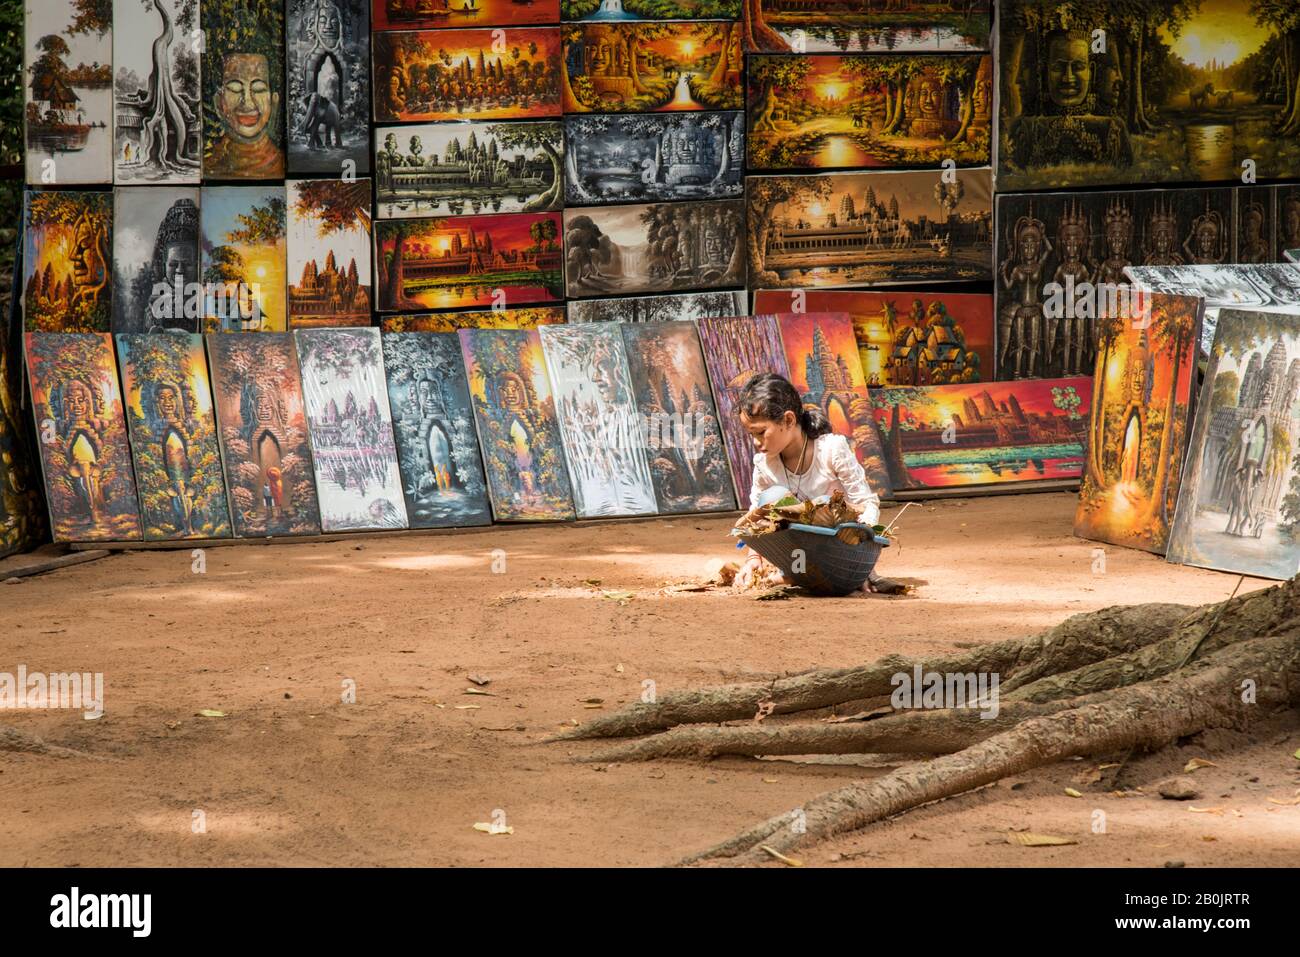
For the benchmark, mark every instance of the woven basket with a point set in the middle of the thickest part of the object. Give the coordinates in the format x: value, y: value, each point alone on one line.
x: 830, y: 565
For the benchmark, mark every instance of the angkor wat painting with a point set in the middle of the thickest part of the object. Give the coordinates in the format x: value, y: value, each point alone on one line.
x: 159, y: 110
x: 423, y: 14
x: 905, y: 26
x: 89, y: 482
x: 629, y: 67
x: 654, y: 248
x: 1061, y: 257
x: 471, y: 167
x: 67, y: 280
x: 328, y: 86
x: 156, y: 259
x: 686, y: 306
x: 881, y: 228
x: 1239, y: 505
x: 621, y: 158
x: 430, y: 75
x: 68, y: 92
x: 437, y: 447
x: 328, y: 247
x: 688, y: 460
x: 257, y: 392
x: 1176, y: 90
x: 243, y: 89
x: 848, y: 112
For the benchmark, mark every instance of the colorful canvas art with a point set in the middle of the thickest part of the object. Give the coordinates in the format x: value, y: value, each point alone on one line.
x: 244, y: 258
x: 991, y: 433
x: 691, y: 305
x: 1062, y: 261
x: 472, y: 167
x: 156, y: 259
x: 89, y: 485
x: 660, y: 247
x: 328, y: 86
x: 598, y: 10
x: 834, y: 111
x: 1239, y: 504
x: 688, y: 461
x: 432, y: 75
x: 629, y: 67
x: 785, y: 26
x: 822, y: 353
x: 263, y: 433
x: 437, y: 447
x: 243, y: 89
x: 517, y: 427
x: 328, y: 249
x: 906, y: 338
x: 846, y: 229
x: 421, y: 14
x: 173, y: 436
x: 626, y: 158
x: 24, y: 519
x: 595, y: 403
x: 67, y: 279
x: 68, y: 92
x: 1137, y: 432
x: 527, y: 318
x: 1179, y: 92
x: 736, y: 350
x: 358, y: 484
x: 464, y: 261
x: 158, y: 130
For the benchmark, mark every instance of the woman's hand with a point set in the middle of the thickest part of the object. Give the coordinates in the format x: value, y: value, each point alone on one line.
x: 748, y: 572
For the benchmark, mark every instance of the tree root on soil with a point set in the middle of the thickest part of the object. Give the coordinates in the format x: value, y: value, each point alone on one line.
x: 1120, y: 680
x: 24, y: 742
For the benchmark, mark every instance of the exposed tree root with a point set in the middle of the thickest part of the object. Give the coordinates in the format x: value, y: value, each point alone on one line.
x: 24, y: 742
x: 1208, y: 693
x: 1080, y: 640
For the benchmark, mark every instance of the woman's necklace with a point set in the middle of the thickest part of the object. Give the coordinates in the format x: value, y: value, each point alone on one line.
x: 801, y: 474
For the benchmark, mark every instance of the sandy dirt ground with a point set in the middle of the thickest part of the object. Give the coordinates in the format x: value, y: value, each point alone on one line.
x: 271, y: 635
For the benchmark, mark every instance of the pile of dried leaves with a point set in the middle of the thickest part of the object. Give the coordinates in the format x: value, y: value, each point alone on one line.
x: 790, y: 511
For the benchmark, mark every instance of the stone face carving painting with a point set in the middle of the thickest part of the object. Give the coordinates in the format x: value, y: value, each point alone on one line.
x: 659, y: 247
x: 89, y: 484
x: 243, y: 89
x: 1237, y: 504
x: 470, y: 167
x: 328, y: 248
x: 437, y: 447
x: 903, y: 26
x: 1168, y: 98
x: 430, y: 75
x: 596, y: 406
x: 1141, y: 411
x: 518, y: 432
x: 358, y: 483
x: 173, y: 436
x: 156, y: 259
x: 837, y: 112
x: 67, y: 279
x: 264, y: 447
x: 157, y: 132
x: 615, y: 158
x: 68, y: 92
x: 328, y: 86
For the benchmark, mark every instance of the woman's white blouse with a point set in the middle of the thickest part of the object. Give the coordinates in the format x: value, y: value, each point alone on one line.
x: 833, y: 467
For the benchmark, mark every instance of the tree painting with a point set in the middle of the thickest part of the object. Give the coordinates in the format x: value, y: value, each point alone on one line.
x: 173, y: 436
x: 528, y: 317
x: 244, y: 257
x: 68, y: 283
x: 889, y: 26
x: 329, y: 250
x: 89, y: 483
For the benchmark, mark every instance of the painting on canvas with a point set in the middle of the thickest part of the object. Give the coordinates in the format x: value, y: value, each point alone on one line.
x: 690, y: 305
x: 243, y: 89
x: 786, y: 26
x: 328, y: 249
x: 156, y: 259
x: 328, y: 86
x: 243, y: 260
x: 67, y: 279
x: 526, y: 318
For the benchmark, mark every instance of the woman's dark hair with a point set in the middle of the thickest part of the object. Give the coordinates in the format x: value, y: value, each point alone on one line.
x: 769, y: 396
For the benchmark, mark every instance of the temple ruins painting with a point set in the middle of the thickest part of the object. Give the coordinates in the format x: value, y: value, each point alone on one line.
x: 67, y: 279
x: 328, y: 248
x: 1239, y: 505
x: 243, y: 89
x: 156, y: 259
x: 426, y: 14
x: 328, y: 86
x: 89, y: 484
x: 257, y: 391
x: 623, y: 158
x: 470, y: 167
x: 904, y: 26
x: 1180, y: 91
x: 846, y: 112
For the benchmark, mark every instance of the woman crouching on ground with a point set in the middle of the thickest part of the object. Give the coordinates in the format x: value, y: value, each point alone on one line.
x: 798, y: 452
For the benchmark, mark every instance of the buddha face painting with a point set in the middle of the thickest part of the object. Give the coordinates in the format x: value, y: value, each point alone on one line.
x: 245, y: 101
x: 511, y: 393
x: 329, y: 25
x: 930, y: 96
x: 181, y: 263
x: 87, y: 262
x: 1069, y: 72
x: 77, y: 402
